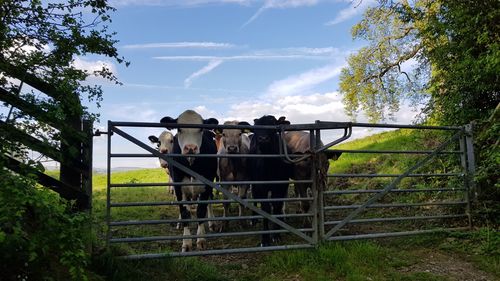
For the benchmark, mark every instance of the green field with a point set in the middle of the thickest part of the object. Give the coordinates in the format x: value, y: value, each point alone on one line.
x: 444, y: 256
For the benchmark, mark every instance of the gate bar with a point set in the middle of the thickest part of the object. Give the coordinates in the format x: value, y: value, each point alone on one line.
x: 393, y: 175
x: 150, y: 222
x: 175, y: 203
x: 398, y: 205
x: 218, y: 252
x: 398, y: 219
x: 356, y: 191
x: 392, y: 185
x: 200, y: 183
x: 194, y: 236
x: 393, y: 234
x: 227, y: 193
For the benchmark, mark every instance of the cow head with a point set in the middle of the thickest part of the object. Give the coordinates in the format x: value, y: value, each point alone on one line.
x: 165, y: 143
x: 266, y: 139
x: 231, y: 138
x: 189, y: 139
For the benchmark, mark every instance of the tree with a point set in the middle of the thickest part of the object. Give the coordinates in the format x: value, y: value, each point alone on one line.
x: 45, y: 39
x: 455, y: 45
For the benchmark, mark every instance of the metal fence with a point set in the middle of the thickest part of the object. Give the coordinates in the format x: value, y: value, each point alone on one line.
x: 349, y: 206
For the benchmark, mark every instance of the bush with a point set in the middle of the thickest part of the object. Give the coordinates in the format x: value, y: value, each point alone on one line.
x: 40, y: 239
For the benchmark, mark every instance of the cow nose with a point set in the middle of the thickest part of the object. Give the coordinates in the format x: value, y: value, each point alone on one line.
x: 163, y: 150
x: 232, y: 149
x: 190, y: 149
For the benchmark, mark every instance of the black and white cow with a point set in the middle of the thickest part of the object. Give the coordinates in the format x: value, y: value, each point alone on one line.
x: 234, y: 141
x: 189, y: 141
x: 266, y: 141
x: 298, y: 142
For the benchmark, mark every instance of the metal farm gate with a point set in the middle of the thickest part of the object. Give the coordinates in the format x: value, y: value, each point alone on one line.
x: 348, y: 206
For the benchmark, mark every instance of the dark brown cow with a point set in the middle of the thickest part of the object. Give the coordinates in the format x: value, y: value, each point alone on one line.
x: 298, y: 142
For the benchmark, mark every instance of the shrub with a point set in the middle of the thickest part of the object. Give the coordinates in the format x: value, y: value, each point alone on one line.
x: 40, y: 238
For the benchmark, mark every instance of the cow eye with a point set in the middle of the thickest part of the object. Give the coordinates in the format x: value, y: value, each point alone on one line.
x: 223, y: 134
x: 179, y: 130
x: 171, y: 141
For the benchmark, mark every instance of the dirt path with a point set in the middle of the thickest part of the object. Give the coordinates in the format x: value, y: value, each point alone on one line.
x: 447, y: 266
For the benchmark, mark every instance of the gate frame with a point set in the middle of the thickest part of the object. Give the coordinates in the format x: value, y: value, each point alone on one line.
x: 464, y: 134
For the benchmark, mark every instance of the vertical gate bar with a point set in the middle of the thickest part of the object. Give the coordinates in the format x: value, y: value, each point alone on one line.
x: 320, y: 201
x: 465, y: 169
x: 108, y: 188
x: 471, y: 161
x: 314, y: 189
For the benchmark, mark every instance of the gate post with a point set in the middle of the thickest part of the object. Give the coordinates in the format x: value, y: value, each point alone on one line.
x: 319, y: 186
x: 466, y: 156
x: 314, y: 189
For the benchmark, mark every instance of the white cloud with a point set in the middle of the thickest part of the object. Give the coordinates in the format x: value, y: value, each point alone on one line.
x: 182, y: 45
x: 206, y: 69
x: 126, y: 112
x: 303, y: 81
x: 355, y: 8
x: 279, y: 4
x: 93, y: 66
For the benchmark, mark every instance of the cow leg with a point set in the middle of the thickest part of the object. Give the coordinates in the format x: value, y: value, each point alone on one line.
x: 301, y: 192
x: 201, y: 212
x: 225, y: 213
x: 212, y: 225
x: 260, y: 192
x: 242, y: 193
x: 187, y: 244
x: 279, y: 192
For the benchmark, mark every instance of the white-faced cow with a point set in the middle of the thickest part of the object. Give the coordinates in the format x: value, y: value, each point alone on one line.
x: 190, y: 141
x: 234, y: 141
x: 298, y: 142
x: 165, y: 143
x: 267, y: 141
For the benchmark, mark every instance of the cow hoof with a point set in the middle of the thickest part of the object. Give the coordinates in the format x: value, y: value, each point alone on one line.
x: 186, y: 248
x: 201, y: 244
x: 212, y: 226
x: 187, y: 245
x: 276, y: 239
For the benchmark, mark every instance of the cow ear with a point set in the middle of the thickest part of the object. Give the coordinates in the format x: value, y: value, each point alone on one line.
x: 154, y: 139
x: 282, y: 121
x: 168, y: 120
x: 211, y: 121
x: 247, y: 124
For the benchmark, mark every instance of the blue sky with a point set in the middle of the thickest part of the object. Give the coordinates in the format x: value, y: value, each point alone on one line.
x: 229, y: 59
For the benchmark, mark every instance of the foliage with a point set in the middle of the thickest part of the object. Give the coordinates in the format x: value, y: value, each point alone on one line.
x: 487, y: 177
x: 48, y: 38
x: 39, y: 238
x: 455, y: 45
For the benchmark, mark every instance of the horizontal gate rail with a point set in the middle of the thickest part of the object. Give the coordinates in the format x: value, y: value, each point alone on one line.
x: 397, y: 205
x: 154, y: 222
x: 393, y: 234
x: 219, y: 252
x: 397, y: 151
x: 372, y: 220
x: 175, y: 203
x: 211, y: 235
x: 141, y: 155
x: 200, y: 183
x: 357, y: 191
x: 393, y: 175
